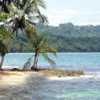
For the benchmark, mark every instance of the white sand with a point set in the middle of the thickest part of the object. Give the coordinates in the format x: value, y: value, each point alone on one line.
x: 20, y: 86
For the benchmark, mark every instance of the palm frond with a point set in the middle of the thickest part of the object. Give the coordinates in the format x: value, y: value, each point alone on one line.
x: 4, y: 33
x: 50, y: 61
x: 42, y: 41
x: 3, y: 16
x: 30, y: 31
x: 38, y: 3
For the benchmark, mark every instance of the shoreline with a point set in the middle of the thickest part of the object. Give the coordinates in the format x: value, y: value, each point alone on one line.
x: 26, y: 85
x: 50, y: 74
x: 46, y: 73
x: 24, y: 74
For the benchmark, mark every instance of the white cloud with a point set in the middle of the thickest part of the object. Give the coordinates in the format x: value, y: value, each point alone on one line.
x: 56, y: 17
x: 88, y: 22
x: 60, y: 16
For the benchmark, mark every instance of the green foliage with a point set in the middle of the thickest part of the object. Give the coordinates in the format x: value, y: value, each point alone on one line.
x: 30, y: 31
x: 22, y: 13
x: 3, y: 16
x: 89, y: 41
x: 4, y: 33
x: 79, y: 44
x: 71, y: 38
x: 40, y: 43
x: 41, y: 46
x: 18, y: 12
x: 15, y: 15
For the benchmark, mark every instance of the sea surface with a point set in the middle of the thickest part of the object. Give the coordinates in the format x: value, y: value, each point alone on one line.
x: 67, y: 61
x: 85, y: 88
x: 74, y: 89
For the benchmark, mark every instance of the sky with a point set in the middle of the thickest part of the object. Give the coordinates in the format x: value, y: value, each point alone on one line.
x: 79, y: 12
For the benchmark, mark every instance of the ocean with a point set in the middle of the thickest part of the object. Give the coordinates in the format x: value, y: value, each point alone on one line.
x: 67, y: 61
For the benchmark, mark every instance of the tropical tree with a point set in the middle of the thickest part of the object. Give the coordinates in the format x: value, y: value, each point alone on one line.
x: 17, y: 15
x: 23, y: 13
x: 4, y: 35
x: 41, y: 47
x: 3, y: 51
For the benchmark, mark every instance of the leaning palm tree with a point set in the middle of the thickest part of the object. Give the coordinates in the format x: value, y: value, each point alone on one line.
x: 40, y: 46
x: 3, y: 51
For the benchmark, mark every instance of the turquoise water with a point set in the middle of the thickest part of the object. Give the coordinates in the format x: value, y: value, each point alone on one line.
x: 69, y: 61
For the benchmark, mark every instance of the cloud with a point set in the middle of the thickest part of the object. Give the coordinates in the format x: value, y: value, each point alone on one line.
x: 60, y: 16
x: 56, y: 17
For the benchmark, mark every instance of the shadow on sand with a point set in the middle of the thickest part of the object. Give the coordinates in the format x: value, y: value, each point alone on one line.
x: 29, y: 89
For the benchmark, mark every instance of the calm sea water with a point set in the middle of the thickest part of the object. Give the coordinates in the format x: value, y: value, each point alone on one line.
x: 68, y: 61
x: 75, y: 89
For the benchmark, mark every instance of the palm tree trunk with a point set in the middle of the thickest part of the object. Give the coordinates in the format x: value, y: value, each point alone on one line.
x: 34, y: 66
x: 1, y: 61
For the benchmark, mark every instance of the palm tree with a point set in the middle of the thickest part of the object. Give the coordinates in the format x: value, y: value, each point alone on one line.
x: 40, y: 45
x: 20, y: 14
x: 3, y: 51
x: 24, y: 13
x: 4, y: 45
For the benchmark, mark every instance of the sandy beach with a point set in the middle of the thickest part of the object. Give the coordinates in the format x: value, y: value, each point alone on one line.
x: 28, y: 85
x: 20, y: 85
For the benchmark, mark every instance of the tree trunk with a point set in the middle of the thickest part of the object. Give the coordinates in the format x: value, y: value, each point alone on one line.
x: 1, y: 61
x: 34, y: 66
x: 27, y: 65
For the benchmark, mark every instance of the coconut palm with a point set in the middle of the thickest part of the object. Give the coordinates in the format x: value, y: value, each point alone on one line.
x: 4, y: 44
x: 21, y: 14
x: 40, y: 46
x: 3, y: 51
x: 24, y: 13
